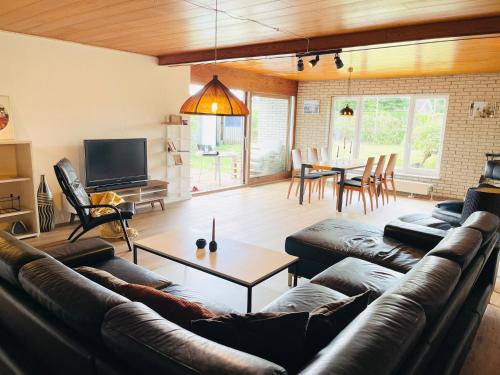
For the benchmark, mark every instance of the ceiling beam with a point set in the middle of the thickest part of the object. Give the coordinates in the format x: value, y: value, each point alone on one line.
x: 437, y: 30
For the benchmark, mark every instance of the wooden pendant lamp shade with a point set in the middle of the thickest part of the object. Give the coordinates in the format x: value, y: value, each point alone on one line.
x: 214, y: 99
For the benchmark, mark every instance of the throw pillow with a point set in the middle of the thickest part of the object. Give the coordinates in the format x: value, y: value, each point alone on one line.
x: 277, y: 337
x: 101, y: 277
x: 327, y: 321
x: 175, y: 309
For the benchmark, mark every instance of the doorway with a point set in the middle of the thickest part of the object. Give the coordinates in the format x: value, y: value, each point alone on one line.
x: 270, y: 138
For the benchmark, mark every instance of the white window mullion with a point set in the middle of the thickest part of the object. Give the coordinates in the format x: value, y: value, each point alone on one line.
x: 409, y: 132
x: 357, y: 128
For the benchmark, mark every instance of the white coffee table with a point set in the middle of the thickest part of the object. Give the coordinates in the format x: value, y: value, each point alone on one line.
x: 241, y: 263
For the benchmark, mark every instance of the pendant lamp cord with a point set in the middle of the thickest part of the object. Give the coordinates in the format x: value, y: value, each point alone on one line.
x: 216, y: 15
x: 349, y: 82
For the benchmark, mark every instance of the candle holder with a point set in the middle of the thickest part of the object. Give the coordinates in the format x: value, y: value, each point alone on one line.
x: 212, y: 246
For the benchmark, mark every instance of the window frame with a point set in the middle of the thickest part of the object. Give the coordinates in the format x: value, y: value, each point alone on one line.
x: 407, y: 169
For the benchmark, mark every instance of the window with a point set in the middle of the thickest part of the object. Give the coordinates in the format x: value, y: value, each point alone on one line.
x: 411, y: 126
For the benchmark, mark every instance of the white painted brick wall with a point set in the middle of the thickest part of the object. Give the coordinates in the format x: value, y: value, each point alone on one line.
x: 466, y: 139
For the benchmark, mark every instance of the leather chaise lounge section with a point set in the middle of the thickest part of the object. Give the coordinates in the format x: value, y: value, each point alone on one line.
x: 68, y: 324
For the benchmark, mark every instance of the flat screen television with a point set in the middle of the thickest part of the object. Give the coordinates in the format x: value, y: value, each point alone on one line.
x: 115, y: 161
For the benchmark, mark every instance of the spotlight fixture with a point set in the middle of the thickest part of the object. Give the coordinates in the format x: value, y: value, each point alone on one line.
x: 313, y: 62
x: 338, y: 62
x: 300, y: 65
x: 348, y: 111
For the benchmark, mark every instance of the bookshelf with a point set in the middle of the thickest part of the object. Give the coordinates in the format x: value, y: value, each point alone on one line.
x: 177, y: 147
x: 16, y: 178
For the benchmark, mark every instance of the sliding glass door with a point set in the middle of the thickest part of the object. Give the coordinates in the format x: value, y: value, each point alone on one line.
x: 269, y: 136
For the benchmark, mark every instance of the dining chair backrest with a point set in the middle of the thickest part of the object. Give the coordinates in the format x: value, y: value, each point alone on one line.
x: 368, y: 170
x: 312, y: 155
x: 324, y: 154
x: 296, y: 159
x: 380, y: 167
x: 391, y: 164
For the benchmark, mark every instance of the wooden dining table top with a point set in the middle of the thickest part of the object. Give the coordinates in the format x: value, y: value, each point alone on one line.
x: 339, y: 164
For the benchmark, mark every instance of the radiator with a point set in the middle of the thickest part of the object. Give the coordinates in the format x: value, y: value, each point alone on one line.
x: 413, y: 187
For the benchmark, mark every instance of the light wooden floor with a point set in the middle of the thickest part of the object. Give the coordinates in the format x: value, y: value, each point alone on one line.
x: 263, y: 216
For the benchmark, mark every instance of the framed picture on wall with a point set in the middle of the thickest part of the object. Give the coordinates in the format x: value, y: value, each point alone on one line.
x: 311, y: 106
x: 482, y: 109
x: 6, y: 123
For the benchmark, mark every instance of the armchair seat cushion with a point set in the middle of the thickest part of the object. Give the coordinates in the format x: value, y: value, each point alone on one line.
x: 127, y: 209
x: 426, y: 221
x: 354, y: 183
x: 353, y: 276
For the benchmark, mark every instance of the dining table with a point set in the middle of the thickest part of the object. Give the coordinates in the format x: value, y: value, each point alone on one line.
x: 338, y: 165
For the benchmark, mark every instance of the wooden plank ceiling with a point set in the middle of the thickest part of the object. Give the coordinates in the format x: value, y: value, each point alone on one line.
x: 162, y: 27
x: 446, y: 57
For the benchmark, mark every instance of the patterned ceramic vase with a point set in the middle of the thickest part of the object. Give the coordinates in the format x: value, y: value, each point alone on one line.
x: 45, y: 206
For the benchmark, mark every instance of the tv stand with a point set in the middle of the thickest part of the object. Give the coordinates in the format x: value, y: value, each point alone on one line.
x: 125, y: 185
x: 143, y: 192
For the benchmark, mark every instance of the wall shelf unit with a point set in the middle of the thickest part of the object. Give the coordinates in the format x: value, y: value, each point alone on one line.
x: 178, y: 161
x: 16, y: 177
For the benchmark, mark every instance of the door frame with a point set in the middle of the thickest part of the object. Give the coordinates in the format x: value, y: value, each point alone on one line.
x: 248, y: 139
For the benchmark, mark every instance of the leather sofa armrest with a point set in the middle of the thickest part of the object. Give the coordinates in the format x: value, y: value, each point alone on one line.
x: 82, y: 253
x: 452, y: 205
x: 420, y: 236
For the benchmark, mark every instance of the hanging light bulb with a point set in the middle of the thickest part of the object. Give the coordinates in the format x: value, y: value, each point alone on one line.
x: 348, y: 111
x: 214, y: 98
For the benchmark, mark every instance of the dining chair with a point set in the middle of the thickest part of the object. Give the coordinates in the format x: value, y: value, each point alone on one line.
x: 309, y: 178
x: 314, y: 157
x: 324, y: 154
x: 361, y: 186
x: 376, y: 180
x: 389, y: 176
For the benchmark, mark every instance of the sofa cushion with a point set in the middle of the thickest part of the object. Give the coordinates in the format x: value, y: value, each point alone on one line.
x: 176, y: 309
x: 277, y: 337
x: 74, y: 299
x: 102, y: 277
x: 305, y: 297
x: 196, y: 297
x: 149, y: 344
x: 414, y: 234
x: 327, y: 321
x: 332, y: 240
x: 13, y: 255
x: 485, y: 222
x: 460, y: 245
x: 353, y: 276
x: 430, y: 283
x: 426, y: 221
x: 376, y: 342
x: 132, y: 273
x: 82, y: 253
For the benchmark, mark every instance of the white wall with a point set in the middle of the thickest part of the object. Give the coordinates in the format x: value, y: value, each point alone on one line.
x: 62, y: 93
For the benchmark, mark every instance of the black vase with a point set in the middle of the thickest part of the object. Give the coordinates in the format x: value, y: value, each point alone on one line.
x: 45, y: 206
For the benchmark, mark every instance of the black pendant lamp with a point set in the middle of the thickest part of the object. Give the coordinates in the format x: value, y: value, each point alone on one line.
x: 348, y: 111
x: 214, y: 98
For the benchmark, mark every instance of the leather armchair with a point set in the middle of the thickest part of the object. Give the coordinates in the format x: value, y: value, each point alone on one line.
x: 482, y: 198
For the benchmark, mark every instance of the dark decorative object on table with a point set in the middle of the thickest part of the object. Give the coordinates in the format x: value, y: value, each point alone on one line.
x: 212, y: 246
x: 45, y: 206
x: 201, y: 243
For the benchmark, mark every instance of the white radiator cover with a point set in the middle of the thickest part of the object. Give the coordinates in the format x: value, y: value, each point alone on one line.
x: 413, y: 187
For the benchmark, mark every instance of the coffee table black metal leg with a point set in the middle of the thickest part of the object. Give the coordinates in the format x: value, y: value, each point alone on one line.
x: 135, y: 254
x: 296, y: 274
x: 341, y: 191
x: 302, y: 175
x: 249, y: 299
